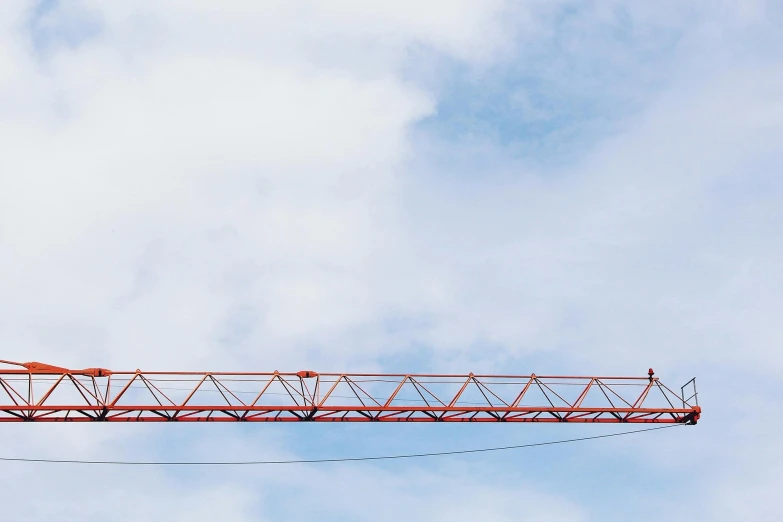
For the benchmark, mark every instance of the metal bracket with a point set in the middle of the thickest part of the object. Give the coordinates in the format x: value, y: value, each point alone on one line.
x: 694, y: 394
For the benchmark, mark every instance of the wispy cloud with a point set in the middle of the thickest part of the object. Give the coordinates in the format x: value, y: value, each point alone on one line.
x: 443, y: 186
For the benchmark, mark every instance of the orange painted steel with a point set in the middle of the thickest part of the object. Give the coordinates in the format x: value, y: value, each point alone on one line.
x: 37, y: 392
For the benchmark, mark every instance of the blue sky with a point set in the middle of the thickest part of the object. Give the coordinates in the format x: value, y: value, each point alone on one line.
x: 550, y: 187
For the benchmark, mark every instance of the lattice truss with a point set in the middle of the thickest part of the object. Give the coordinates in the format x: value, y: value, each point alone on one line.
x: 40, y: 392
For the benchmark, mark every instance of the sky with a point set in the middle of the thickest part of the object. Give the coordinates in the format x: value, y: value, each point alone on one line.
x: 550, y: 187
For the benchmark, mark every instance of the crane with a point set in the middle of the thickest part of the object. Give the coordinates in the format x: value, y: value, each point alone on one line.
x: 38, y: 392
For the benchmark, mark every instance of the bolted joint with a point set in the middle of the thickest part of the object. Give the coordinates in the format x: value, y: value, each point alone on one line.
x: 95, y: 372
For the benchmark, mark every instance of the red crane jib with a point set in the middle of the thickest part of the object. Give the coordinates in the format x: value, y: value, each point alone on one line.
x: 44, y: 393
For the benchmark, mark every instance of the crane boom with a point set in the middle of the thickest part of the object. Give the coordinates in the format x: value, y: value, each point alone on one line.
x: 45, y: 393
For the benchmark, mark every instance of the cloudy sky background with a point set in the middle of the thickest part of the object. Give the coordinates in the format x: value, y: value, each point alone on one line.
x: 550, y: 187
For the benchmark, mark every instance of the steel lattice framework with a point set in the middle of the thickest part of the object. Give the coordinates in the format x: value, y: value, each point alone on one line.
x: 44, y: 393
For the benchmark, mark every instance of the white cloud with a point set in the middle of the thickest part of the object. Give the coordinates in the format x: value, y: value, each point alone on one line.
x: 164, y: 155
x: 193, y: 184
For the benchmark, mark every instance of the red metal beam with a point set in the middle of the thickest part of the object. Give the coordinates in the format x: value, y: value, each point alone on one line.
x: 44, y: 393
